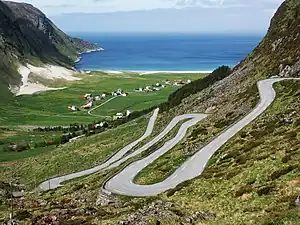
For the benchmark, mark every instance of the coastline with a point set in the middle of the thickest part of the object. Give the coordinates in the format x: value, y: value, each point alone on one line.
x: 173, y: 72
x: 87, y: 52
x: 92, y: 50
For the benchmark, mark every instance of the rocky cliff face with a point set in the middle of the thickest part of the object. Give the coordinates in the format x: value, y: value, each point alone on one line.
x: 279, y: 52
x: 42, y: 23
x: 27, y: 35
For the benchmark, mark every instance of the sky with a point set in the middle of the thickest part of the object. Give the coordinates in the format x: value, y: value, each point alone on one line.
x: 197, y: 16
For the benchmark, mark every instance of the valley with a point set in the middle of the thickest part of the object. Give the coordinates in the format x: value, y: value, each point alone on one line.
x: 51, y: 108
x: 148, y: 148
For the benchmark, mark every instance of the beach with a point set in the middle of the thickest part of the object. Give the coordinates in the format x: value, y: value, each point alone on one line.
x: 50, y: 72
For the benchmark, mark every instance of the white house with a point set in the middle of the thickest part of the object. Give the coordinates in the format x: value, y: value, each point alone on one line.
x: 88, y: 106
x: 97, y: 98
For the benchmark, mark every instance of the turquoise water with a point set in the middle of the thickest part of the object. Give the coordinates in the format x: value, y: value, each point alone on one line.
x: 166, y: 52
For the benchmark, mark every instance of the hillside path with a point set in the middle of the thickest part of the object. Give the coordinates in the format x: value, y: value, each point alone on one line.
x: 91, y: 110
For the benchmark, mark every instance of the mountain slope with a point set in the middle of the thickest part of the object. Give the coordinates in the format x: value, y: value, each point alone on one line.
x: 27, y: 35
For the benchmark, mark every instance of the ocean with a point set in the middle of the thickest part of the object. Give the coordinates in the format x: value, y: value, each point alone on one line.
x: 166, y: 52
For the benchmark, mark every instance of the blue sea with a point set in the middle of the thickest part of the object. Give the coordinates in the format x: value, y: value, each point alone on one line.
x: 166, y: 52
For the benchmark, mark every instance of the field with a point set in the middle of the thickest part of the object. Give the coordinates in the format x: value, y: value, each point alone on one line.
x: 31, y: 137
x: 50, y: 108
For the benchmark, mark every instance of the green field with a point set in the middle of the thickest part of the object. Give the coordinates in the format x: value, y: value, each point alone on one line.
x: 30, y: 137
x: 50, y: 108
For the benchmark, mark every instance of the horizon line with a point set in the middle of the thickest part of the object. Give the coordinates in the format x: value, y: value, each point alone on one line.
x: 261, y: 33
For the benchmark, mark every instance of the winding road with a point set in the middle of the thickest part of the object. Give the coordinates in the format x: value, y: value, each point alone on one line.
x: 122, y: 183
x: 56, y: 182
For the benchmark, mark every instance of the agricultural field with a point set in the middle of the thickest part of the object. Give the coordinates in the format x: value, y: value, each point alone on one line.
x: 50, y: 108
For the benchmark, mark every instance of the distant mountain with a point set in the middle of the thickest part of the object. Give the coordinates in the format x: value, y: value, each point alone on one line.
x: 27, y: 35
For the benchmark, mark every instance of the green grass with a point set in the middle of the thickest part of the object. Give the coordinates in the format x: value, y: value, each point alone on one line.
x: 50, y: 108
x: 30, y: 137
x: 151, y: 175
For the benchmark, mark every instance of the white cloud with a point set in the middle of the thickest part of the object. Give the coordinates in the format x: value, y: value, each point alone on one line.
x: 226, y: 16
x: 56, y: 7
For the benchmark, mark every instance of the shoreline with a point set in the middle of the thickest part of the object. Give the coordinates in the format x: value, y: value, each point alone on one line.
x: 140, y: 72
x: 172, y: 72
x: 87, y: 52
x: 92, y: 50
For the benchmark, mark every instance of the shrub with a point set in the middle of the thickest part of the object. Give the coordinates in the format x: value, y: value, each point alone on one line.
x: 291, y: 134
x: 222, y: 123
x: 286, y: 158
x: 297, y: 123
x: 22, y: 215
x: 178, y: 188
x: 242, y: 159
x: 20, y: 147
x: 251, y: 145
x: 265, y: 190
x: 278, y: 173
x: 244, y: 190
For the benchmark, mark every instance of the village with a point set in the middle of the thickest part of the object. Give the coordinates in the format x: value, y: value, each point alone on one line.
x: 92, y: 100
x: 162, y: 85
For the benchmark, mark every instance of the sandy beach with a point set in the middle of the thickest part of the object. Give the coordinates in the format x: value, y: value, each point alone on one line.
x: 48, y: 72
